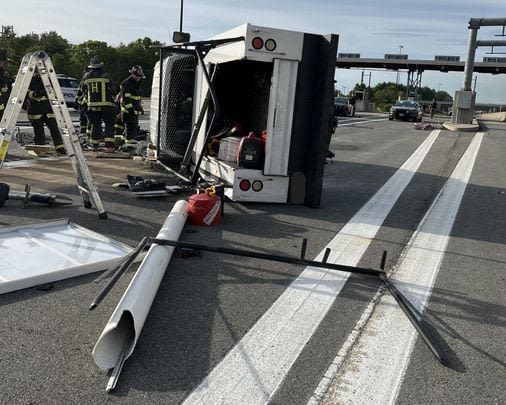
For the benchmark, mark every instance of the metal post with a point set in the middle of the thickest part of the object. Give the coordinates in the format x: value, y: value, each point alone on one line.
x: 397, y: 79
x: 181, y: 18
x: 471, y: 52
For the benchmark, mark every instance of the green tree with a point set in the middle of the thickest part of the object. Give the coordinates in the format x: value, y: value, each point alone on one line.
x: 80, y: 56
x: 427, y: 93
x: 139, y: 52
x: 72, y: 59
x: 359, y: 87
x: 443, y: 96
x: 53, y: 44
x: 383, y: 95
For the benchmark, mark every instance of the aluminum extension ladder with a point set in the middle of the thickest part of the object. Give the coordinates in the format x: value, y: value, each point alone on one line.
x: 41, y: 62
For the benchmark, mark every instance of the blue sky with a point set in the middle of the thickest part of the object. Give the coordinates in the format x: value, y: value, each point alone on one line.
x: 424, y: 28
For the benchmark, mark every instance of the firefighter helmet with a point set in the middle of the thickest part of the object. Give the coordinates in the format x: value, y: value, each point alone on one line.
x: 137, y: 71
x: 95, y: 63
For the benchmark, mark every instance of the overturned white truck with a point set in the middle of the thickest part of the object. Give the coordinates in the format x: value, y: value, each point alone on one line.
x: 251, y: 108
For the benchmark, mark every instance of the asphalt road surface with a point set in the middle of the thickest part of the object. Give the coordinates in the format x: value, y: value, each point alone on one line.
x: 234, y: 330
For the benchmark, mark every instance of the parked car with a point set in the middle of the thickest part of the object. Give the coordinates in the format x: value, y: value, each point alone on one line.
x: 406, y: 110
x: 344, y: 107
x: 69, y: 86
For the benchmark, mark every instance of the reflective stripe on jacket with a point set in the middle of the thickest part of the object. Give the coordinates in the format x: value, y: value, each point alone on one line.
x: 96, y: 87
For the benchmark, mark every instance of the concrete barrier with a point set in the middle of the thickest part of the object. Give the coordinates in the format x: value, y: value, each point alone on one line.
x: 498, y: 116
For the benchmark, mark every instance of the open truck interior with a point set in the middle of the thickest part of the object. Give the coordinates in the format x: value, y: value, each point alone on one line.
x: 242, y: 90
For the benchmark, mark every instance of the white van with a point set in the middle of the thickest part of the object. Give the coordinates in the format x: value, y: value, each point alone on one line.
x: 69, y: 87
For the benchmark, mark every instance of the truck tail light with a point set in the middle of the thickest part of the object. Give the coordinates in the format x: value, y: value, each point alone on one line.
x: 245, y: 185
x: 270, y: 44
x: 257, y: 43
x: 257, y: 186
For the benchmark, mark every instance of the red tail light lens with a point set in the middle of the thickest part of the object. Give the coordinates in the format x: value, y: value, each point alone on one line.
x: 257, y: 43
x: 245, y: 185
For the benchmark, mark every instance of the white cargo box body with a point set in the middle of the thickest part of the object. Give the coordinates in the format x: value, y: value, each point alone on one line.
x: 263, y: 80
x: 288, y: 45
x: 284, y: 59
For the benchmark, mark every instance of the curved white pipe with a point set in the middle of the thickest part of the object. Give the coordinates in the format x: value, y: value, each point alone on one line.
x: 117, y: 341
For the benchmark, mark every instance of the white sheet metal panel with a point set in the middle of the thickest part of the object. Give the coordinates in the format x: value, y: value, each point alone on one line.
x: 274, y: 188
x: 217, y: 169
x: 280, y: 115
x: 153, y: 105
x: 288, y: 45
x: 52, y: 251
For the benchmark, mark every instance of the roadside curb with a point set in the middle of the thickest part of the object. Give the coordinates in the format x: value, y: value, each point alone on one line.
x: 462, y: 127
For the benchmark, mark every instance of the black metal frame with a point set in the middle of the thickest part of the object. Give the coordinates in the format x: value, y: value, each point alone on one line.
x: 411, y: 312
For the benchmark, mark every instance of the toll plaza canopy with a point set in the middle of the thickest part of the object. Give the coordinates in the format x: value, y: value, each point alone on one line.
x: 418, y: 65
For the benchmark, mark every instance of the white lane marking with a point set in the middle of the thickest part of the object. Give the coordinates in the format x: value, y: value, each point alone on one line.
x: 342, y: 355
x: 252, y: 371
x: 346, y: 124
x: 384, y: 347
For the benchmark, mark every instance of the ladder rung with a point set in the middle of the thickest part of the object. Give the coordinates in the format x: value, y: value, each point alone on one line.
x: 84, y: 189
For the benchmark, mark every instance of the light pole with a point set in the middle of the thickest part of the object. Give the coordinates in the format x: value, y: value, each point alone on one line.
x: 367, y: 90
x: 181, y: 18
x: 180, y: 36
x: 397, y: 79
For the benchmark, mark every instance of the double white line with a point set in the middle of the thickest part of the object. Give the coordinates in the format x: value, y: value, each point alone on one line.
x: 253, y: 370
x: 375, y: 367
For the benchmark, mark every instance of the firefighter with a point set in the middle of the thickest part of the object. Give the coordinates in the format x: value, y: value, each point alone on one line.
x: 131, y: 103
x: 432, y: 108
x: 85, y: 125
x: 40, y: 112
x: 5, y: 82
x: 96, y: 87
